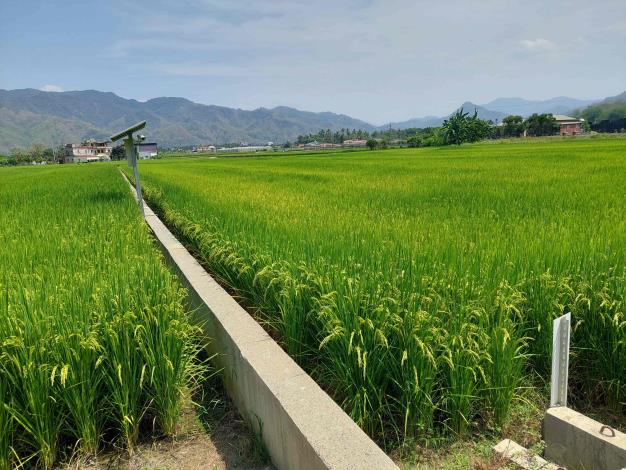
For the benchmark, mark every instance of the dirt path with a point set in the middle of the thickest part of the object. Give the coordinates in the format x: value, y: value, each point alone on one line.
x: 215, y: 439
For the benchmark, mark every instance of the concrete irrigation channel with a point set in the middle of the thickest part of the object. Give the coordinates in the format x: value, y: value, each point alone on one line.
x: 301, y: 426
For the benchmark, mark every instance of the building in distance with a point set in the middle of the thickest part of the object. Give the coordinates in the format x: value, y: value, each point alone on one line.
x: 88, y: 151
x: 355, y: 143
x: 315, y: 145
x: 146, y: 150
x: 249, y: 148
x: 204, y: 149
x: 569, y: 125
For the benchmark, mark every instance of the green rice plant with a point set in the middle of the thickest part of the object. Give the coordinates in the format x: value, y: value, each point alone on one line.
x: 33, y: 408
x: 126, y: 374
x: 170, y: 358
x: 79, y: 378
x: 6, y: 424
x: 290, y: 295
x: 538, y: 317
x: 6, y: 419
x: 355, y: 352
x: 415, y: 371
x: 600, y: 335
x: 463, y: 356
x: 419, y: 286
x: 94, y: 339
x: 506, y: 348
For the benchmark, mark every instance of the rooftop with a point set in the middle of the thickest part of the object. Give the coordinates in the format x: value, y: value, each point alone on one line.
x: 563, y: 117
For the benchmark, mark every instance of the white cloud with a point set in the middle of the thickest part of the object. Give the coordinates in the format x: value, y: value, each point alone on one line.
x: 381, y: 60
x: 538, y: 45
x: 51, y: 87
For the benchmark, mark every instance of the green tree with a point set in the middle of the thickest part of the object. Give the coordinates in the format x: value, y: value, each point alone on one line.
x: 513, y: 126
x: 48, y: 154
x: 35, y: 153
x: 541, y: 124
x: 455, y: 128
x: 118, y: 153
x: 19, y: 155
x: 414, y: 141
x: 477, y: 129
x: 59, y: 153
x: 372, y: 144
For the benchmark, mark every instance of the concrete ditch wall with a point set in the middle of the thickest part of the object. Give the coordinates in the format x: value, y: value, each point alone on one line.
x: 578, y: 442
x: 301, y: 426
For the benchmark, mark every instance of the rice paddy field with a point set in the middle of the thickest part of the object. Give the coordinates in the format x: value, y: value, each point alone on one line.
x: 95, y: 346
x: 418, y: 286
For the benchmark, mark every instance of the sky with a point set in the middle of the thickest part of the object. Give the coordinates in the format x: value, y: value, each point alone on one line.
x: 377, y: 60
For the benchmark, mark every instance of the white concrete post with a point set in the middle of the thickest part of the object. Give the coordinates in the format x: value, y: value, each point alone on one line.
x: 560, y: 360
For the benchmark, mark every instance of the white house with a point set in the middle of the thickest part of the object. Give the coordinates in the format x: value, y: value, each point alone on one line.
x: 205, y: 149
x: 88, y: 151
x: 146, y: 150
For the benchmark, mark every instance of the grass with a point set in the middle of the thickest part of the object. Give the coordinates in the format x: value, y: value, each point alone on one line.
x: 475, y: 451
x: 95, y: 346
x: 418, y: 286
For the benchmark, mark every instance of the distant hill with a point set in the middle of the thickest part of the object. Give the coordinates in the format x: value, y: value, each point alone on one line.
x: 522, y: 107
x: 434, y: 121
x: 609, y: 115
x: 422, y: 122
x: 30, y: 116
x: 483, y: 112
x: 621, y: 98
x: 51, y: 118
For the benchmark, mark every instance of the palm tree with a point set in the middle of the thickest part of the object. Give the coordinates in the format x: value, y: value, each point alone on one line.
x: 455, y: 128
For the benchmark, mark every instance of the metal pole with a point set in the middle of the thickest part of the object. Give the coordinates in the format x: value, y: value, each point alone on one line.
x: 131, y: 153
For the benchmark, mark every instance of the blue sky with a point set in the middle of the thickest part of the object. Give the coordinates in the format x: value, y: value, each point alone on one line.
x: 376, y: 60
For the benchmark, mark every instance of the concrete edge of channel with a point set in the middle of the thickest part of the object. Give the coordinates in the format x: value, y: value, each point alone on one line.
x: 300, y: 425
x: 579, y: 442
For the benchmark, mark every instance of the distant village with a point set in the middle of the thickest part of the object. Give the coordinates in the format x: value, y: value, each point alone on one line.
x: 101, y: 151
x: 314, y: 145
x: 92, y: 150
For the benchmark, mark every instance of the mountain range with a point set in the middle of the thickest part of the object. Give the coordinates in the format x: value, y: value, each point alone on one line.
x: 501, y: 107
x: 621, y: 98
x: 51, y: 118
x: 434, y: 121
x: 522, y: 107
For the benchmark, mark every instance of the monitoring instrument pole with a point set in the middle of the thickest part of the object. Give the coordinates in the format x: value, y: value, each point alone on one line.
x: 131, y: 155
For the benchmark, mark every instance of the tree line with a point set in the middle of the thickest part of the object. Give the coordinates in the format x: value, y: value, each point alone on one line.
x: 330, y: 137
x: 38, y: 153
x: 460, y: 127
x: 605, y: 117
x: 35, y: 153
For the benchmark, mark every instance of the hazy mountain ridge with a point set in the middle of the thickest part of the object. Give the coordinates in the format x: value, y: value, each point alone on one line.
x: 609, y: 115
x: 434, y: 121
x: 499, y: 108
x: 523, y: 107
x: 621, y: 98
x: 53, y: 118
x: 30, y: 116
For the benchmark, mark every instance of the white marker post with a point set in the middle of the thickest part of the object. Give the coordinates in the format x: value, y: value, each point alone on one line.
x: 560, y: 360
x: 131, y: 155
